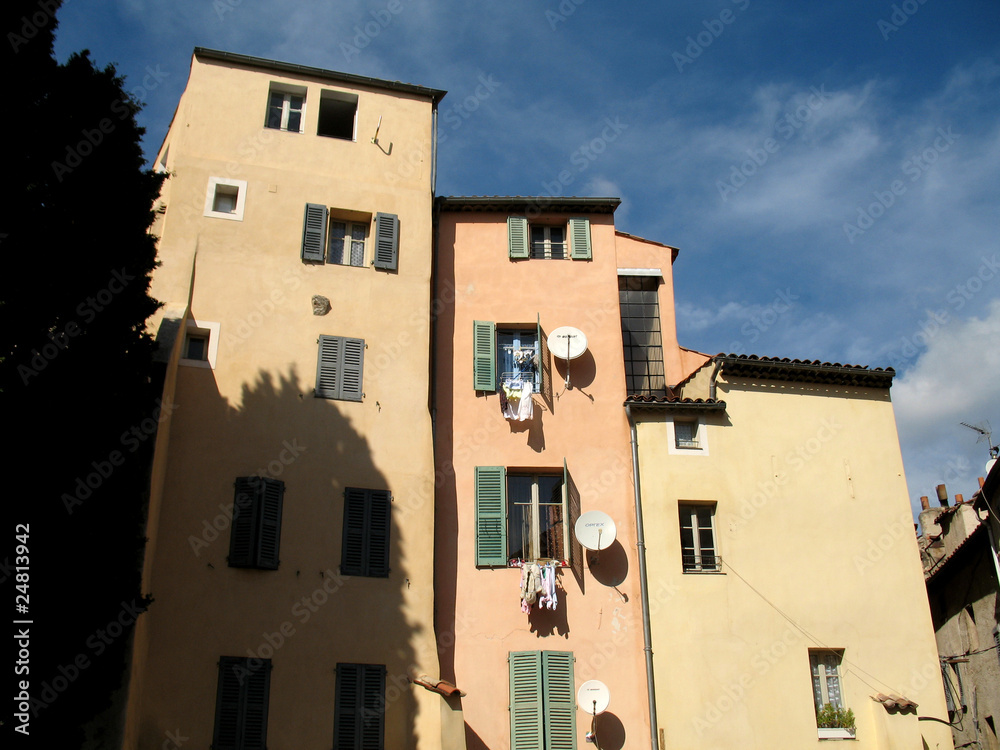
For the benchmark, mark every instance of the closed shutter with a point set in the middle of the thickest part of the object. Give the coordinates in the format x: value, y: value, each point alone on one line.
x: 386, y: 241
x: 378, y: 545
x: 484, y: 357
x: 256, y: 685
x: 243, y: 532
x: 328, y: 366
x: 359, y: 707
x: 559, y: 700
x: 579, y: 239
x: 353, y: 368
x: 365, y: 549
x: 241, y: 704
x: 228, y: 708
x: 314, y: 232
x: 526, y: 724
x: 352, y: 558
x: 271, y: 493
x: 491, y: 515
x: 372, y: 706
x: 517, y: 237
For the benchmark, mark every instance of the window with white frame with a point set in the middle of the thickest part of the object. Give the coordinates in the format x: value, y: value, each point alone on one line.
x: 346, y: 242
x: 225, y: 198
x: 201, y: 344
x: 686, y: 433
x: 548, y: 242
x: 337, y: 115
x: 517, y: 357
x: 556, y: 240
x: 286, y: 106
x: 825, y: 665
x: 699, y: 553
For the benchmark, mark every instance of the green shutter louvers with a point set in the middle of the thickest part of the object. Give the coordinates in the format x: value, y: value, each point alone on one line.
x: 484, y: 359
x: 491, y: 515
x: 386, y: 254
x: 314, y: 232
x: 579, y: 239
x: 517, y: 237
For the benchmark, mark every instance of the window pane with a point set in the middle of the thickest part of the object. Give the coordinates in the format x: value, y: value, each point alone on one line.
x: 518, y: 517
x: 558, y: 242
x: 274, y: 111
x: 294, y: 121
x: 550, y: 517
x: 357, y: 253
x: 225, y: 202
x: 336, y: 249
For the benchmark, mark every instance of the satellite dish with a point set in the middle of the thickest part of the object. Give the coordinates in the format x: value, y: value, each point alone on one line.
x: 593, y: 691
x: 595, y: 530
x: 567, y: 342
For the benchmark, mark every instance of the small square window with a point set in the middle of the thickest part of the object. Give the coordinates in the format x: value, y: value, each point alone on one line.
x: 201, y: 344
x: 196, y: 347
x: 686, y: 434
x: 225, y: 198
x: 698, y: 549
x: 286, y: 108
x: 337, y: 115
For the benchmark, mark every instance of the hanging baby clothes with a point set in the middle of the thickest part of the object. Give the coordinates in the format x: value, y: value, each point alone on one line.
x: 525, y: 407
x: 512, y: 395
x: 531, y: 584
x: 549, y: 598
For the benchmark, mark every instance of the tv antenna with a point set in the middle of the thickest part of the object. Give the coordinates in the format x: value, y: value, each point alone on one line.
x: 985, y: 434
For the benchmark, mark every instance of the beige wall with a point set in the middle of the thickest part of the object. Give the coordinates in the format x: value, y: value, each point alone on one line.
x: 256, y: 412
x: 814, y: 528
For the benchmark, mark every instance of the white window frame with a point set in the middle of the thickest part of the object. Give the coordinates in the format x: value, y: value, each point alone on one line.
x: 547, y: 241
x: 201, y: 329
x: 241, y: 198
x: 518, y: 330
x: 348, y: 240
x: 340, y: 96
x: 689, y: 511
x: 818, y: 670
x: 287, y: 93
x: 534, y: 541
x: 700, y: 436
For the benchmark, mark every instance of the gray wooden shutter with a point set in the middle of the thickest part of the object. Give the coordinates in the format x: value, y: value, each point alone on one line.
x: 328, y: 366
x: 386, y: 241
x: 351, y: 374
x: 359, y: 707
x: 491, y: 515
x: 559, y: 700
x: 271, y: 493
x: 579, y: 239
x: 228, y: 705
x: 241, y: 704
x: 257, y: 685
x: 484, y: 355
x: 372, y: 706
x: 243, y: 531
x: 352, y: 556
x: 314, y: 232
x: 378, y: 545
x: 526, y: 719
x: 517, y: 237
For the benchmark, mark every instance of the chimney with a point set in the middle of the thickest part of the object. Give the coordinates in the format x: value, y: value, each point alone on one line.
x: 942, y: 493
x: 925, y: 504
x: 981, y: 482
x: 959, y: 499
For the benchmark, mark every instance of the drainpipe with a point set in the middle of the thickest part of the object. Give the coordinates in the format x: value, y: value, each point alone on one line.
x: 643, y: 587
x: 715, y: 375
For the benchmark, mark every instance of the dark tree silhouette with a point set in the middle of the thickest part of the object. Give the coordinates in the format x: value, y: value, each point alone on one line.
x: 77, y: 383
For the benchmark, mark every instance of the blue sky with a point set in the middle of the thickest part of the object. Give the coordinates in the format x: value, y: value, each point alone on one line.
x: 829, y: 171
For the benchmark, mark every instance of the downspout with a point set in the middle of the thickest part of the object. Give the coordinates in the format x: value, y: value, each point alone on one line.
x: 715, y: 375
x: 643, y: 587
x: 434, y: 148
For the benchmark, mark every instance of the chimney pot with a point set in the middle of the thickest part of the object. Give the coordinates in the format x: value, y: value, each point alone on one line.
x: 981, y: 482
x: 959, y: 499
x: 942, y: 493
x: 925, y: 504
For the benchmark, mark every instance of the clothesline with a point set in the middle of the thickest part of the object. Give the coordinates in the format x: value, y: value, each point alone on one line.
x: 518, y: 562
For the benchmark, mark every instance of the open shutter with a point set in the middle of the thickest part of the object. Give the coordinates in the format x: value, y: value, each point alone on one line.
x: 386, y: 241
x: 314, y: 232
x: 271, y: 493
x: 517, y: 237
x: 243, y: 532
x: 378, y: 529
x: 372, y: 706
x: 256, y: 688
x: 571, y: 499
x: 352, y: 556
x: 328, y: 366
x: 484, y: 355
x: 579, y: 239
x: 346, y: 708
x: 351, y: 381
x: 491, y: 515
x: 559, y: 700
x: 228, y: 705
x: 526, y: 725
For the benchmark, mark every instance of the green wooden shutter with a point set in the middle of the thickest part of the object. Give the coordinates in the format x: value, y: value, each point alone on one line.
x: 484, y: 355
x: 314, y: 232
x: 579, y: 239
x: 243, y: 531
x: 386, y: 241
x: 352, y: 555
x: 517, y: 237
x: 559, y: 700
x: 572, y: 500
x: 346, y: 729
x: 378, y: 530
x: 542, y: 352
x: 526, y: 718
x: 228, y: 705
x: 256, y: 686
x: 351, y: 377
x: 328, y: 365
x: 491, y: 515
x: 271, y: 493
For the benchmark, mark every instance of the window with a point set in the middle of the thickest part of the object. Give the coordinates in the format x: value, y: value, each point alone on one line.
x: 686, y: 433
x: 256, y: 529
x: 365, y: 548
x: 339, y: 236
x: 698, y: 552
x: 241, y: 704
x: 521, y: 516
x: 505, y: 354
x: 337, y: 114
x: 359, y: 707
x: 286, y: 107
x: 642, y: 342
x: 542, y: 700
x: 825, y: 665
x: 201, y: 344
x: 553, y: 242
x: 225, y: 198
x: 340, y: 368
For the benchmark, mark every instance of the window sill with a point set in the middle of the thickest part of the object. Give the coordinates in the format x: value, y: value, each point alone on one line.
x: 835, y: 733
x: 704, y: 572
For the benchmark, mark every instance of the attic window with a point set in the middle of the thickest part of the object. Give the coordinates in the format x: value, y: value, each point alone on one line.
x: 337, y: 111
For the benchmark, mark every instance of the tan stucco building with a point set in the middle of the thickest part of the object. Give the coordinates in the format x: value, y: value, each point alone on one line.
x: 291, y: 527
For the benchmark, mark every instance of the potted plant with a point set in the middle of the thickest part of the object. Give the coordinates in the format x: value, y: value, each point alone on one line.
x: 834, y: 722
